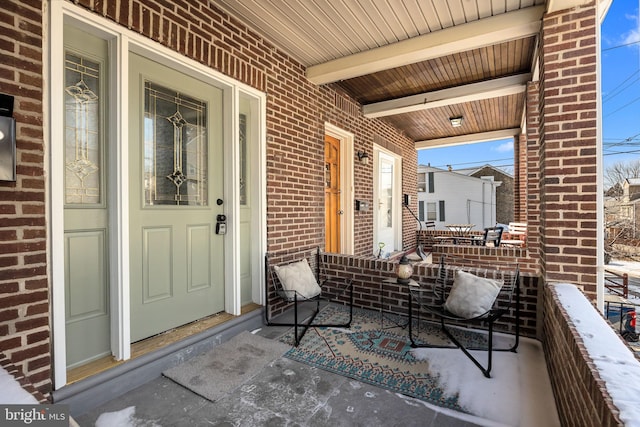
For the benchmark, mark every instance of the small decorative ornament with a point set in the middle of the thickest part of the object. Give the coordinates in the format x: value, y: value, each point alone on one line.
x: 404, y: 271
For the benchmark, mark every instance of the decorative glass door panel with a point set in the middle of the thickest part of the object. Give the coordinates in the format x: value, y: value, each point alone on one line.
x: 176, y: 168
x: 244, y: 159
x: 386, y: 194
x: 175, y: 148
x: 332, y: 190
x: 249, y: 182
x: 82, y: 130
x: 86, y: 215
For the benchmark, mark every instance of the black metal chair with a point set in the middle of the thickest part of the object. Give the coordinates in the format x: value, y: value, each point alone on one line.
x: 299, y: 277
x: 434, y: 300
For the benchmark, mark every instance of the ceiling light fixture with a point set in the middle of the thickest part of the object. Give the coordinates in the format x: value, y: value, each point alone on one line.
x: 456, y: 122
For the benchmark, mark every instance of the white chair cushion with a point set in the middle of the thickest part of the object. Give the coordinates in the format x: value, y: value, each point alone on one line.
x: 298, y: 277
x: 471, y: 296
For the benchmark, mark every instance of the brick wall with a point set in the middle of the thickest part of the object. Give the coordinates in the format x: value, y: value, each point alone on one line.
x: 581, y: 397
x: 24, y: 293
x: 367, y: 275
x: 531, y: 211
x: 568, y: 111
x: 296, y: 113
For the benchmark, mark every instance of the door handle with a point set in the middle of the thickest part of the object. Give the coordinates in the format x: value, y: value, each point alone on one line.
x: 340, y: 212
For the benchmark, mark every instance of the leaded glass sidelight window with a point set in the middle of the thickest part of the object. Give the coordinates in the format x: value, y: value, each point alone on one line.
x: 386, y: 193
x: 175, y: 148
x: 243, y: 159
x: 83, y: 151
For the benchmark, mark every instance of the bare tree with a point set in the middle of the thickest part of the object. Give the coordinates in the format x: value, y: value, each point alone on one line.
x: 618, y: 172
x: 621, y: 228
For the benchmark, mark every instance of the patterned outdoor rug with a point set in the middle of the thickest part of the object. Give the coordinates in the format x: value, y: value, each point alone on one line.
x: 377, y: 355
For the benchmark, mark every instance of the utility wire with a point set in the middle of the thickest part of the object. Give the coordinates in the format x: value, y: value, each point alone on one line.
x: 619, y: 46
x: 474, y: 163
x: 624, y: 140
x: 621, y: 152
x: 624, y: 106
x: 619, y: 89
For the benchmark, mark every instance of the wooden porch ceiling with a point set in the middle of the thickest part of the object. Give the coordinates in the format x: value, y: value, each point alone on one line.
x: 415, y: 63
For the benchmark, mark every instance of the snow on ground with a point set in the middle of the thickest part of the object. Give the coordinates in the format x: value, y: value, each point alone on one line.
x: 517, y: 394
x: 616, y: 364
x: 11, y: 392
x: 123, y: 418
x: 630, y: 267
x: 633, y: 270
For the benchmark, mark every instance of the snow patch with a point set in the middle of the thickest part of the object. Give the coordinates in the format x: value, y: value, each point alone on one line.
x: 124, y: 418
x: 12, y: 393
x: 515, y: 395
x: 614, y: 361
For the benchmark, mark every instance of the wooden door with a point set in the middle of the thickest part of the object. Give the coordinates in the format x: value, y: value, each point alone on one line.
x: 332, y: 209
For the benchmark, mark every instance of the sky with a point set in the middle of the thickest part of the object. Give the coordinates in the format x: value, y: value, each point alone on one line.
x: 620, y: 65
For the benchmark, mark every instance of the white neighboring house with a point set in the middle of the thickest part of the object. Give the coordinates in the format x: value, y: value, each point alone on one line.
x: 448, y: 197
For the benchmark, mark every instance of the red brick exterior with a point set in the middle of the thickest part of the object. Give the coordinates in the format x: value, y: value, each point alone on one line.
x: 296, y: 113
x: 531, y: 212
x: 520, y: 178
x: 556, y: 179
x: 367, y: 275
x: 24, y: 287
x: 568, y: 111
x: 581, y: 395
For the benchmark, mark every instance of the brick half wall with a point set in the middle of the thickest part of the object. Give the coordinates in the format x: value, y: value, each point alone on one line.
x: 367, y: 275
x: 581, y: 396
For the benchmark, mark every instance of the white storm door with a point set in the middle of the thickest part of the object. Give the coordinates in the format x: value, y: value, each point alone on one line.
x: 176, y: 193
x: 386, y: 200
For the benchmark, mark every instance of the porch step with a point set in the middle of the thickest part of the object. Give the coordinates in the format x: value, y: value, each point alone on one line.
x: 87, y: 394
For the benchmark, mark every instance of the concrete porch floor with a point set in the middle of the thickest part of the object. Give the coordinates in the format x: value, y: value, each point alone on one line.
x: 326, y: 399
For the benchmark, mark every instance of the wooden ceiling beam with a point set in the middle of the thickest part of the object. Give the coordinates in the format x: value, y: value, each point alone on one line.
x: 465, y: 139
x: 503, y: 86
x: 483, y: 32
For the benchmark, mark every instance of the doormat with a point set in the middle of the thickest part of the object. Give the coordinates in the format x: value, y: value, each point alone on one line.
x: 218, y: 372
x: 379, y: 356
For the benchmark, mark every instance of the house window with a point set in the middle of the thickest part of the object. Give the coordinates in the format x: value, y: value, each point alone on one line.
x: 431, y: 183
x: 431, y: 211
x: 421, y: 210
x: 422, y: 182
x: 441, y: 210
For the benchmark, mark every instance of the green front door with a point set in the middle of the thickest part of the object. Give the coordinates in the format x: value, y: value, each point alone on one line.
x: 176, y: 193
x: 86, y: 200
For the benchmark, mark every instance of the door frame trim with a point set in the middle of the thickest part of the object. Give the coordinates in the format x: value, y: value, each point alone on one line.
x: 346, y: 185
x: 122, y: 41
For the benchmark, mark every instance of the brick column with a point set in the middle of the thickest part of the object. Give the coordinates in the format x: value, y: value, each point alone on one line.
x: 568, y: 92
x: 518, y: 179
x: 533, y: 181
